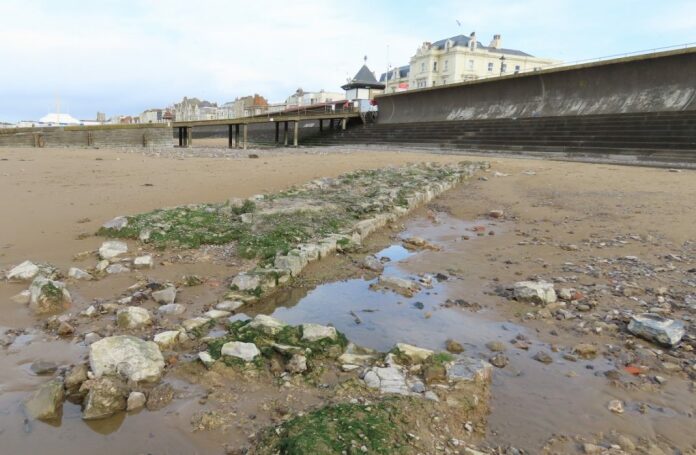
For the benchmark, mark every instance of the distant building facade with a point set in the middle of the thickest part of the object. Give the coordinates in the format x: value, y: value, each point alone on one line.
x: 459, y: 59
x: 302, y: 98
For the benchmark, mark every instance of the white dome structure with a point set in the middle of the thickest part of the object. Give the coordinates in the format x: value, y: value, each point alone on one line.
x: 59, y: 119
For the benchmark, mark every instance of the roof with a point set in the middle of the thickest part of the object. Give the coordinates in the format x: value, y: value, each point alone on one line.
x: 63, y: 119
x: 403, y: 72
x: 463, y: 41
x: 363, y: 79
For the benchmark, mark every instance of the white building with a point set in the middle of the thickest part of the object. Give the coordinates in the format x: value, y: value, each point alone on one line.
x: 302, y: 98
x: 459, y: 59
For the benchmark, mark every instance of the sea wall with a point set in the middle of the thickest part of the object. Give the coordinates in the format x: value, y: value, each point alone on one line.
x: 151, y: 135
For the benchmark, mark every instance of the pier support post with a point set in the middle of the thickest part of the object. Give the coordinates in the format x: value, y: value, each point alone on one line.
x: 331, y: 124
x: 246, y: 128
x: 189, y: 137
x: 230, y: 139
x: 344, y: 123
x: 277, y: 132
x: 285, y: 134
x: 321, y: 125
x: 236, y: 135
x: 295, y: 137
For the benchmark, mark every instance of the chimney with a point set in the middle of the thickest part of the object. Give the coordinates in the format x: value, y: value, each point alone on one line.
x: 472, y: 41
x: 495, y: 42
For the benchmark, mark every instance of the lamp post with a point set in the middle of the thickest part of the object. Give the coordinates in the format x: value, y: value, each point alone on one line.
x: 502, y: 64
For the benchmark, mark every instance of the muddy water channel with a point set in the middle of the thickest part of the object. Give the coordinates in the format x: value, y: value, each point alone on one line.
x: 530, y: 401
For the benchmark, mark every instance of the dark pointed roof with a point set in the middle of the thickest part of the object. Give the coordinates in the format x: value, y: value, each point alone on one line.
x: 363, y: 79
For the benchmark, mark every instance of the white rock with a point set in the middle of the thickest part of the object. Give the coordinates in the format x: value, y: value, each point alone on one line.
x: 206, y: 359
x: 22, y: 298
x: 244, y: 351
x: 656, y: 328
x: 48, y: 295
x: 372, y: 263
x: 136, y: 400
x: 246, y: 282
x: 165, y: 296
x: 293, y: 263
x: 112, y: 248
x: 27, y: 270
x: 267, y: 324
x: 143, y: 262
x: 468, y: 369
x: 172, y: 309
x: 133, y: 317
x: 167, y: 340
x: 229, y: 305
x: 79, y: 274
x: 216, y: 314
x: 117, y: 268
x: 102, y: 265
x: 399, y: 285
x: 195, y: 323
x: 387, y: 380
x: 537, y: 292
x: 126, y: 356
x: 315, y: 332
x: 414, y: 353
x: 90, y: 311
x: 117, y: 223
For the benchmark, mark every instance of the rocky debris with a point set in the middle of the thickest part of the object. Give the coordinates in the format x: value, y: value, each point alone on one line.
x: 206, y: 359
x: 535, y: 292
x: 240, y: 350
x: 79, y: 274
x: 414, y: 354
x: 246, y: 282
x: 165, y: 296
x: 64, y: 328
x: 454, y: 347
x: 616, y: 406
x: 496, y: 346
x: 316, y: 332
x: 23, y: 298
x: 143, y: 262
x: 195, y: 323
x: 216, y: 314
x: 75, y: 377
x: 399, y: 285
x: 370, y: 262
x: 130, y: 357
x: 168, y: 339
x: 267, y: 324
x: 543, y: 357
x: 468, y: 369
x: 112, y: 248
x: 656, y: 328
x: 419, y: 243
x: 133, y: 317
x: 43, y: 367
x: 47, y: 402
x: 48, y: 296
x: 159, y: 397
x: 229, y: 305
x: 118, y: 223
x: 585, y: 350
x: 136, y: 401
x: 105, y: 397
x: 292, y: 263
x: 499, y: 360
x: 496, y: 213
x: 25, y: 271
x: 386, y: 380
x: 174, y: 309
x: 297, y: 364
x: 114, y: 269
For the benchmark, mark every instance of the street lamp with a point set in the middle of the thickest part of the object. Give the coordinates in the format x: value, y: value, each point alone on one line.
x: 502, y: 65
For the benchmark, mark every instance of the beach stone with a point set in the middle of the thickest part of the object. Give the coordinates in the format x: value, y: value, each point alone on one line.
x: 400, y: 285
x: 229, y: 305
x: 454, y: 347
x: 316, y: 332
x: 127, y: 356
x: 165, y: 296
x: 117, y: 268
x: 216, y: 314
x: 133, y: 317
x: 168, y: 339
x: 297, y: 364
x: 246, y: 282
x: 616, y: 406
x: 266, y: 324
x: 655, y: 328
x: 414, y: 353
x: 206, y: 359
x: 194, y: 323
x: 143, y: 262
x: 293, y: 263
x: 543, y: 357
x: 499, y: 360
x: 23, y: 298
x: 75, y: 377
x: 112, y: 248
x: 240, y: 350
x: 387, y: 380
x: 47, y: 402
x: 106, y: 396
x: 79, y: 274
x: 43, y: 367
x: 468, y: 369
x: 48, y: 296
x: 585, y: 350
x: 496, y: 346
x: 117, y: 223
x: 172, y: 309
x: 25, y: 271
x: 536, y: 292
x: 372, y: 263
x: 136, y: 400
x: 159, y: 397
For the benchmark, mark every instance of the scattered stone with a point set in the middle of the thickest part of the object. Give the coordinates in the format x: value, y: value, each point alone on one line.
x: 543, y: 357
x: 246, y: 282
x: 43, y: 367
x: 117, y: 223
x: 168, y: 339
x: 79, y: 274
x: 206, y: 359
x: 585, y: 350
x: 496, y: 214
x: 297, y: 364
x: 387, y: 380
x: 399, y: 285
x: 112, y: 248
x: 133, y: 317
x: 159, y: 397
x: 48, y: 296
x: 316, y: 332
x: 372, y: 263
x: 499, y: 360
x: 23, y: 298
x: 143, y: 262
x: 107, y: 396
x: 165, y: 296
x: 64, y: 329
x: 496, y: 346
x: 130, y: 357
x: 47, y: 402
x: 229, y: 305
x: 195, y: 323
x: 114, y: 269
x: 75, y: 377
x: 616, y: 406
x: 413, y: 353
x: 92, y: 337
x: 655, y: 328
x: 454, y: 347
x: 240, y: 350
x: 468, y: 369
x: 136, y: 401
x: 172, y: 309
x: 25, y: 271
x: 267, y: 324
x: 540, y: 292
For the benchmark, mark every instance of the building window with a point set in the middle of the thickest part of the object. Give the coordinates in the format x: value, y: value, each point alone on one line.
x: 490, y: 67
x: 423, y: 67
x: 435, y: 67
x: 517, y: 68
x: 446, y: 64
x: 471, y: 65
x: 503, y: 67
x: 444, y: 81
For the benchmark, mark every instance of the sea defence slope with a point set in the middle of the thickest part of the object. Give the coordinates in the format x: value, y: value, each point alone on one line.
x: 150, y: 135
x: 658, y: 82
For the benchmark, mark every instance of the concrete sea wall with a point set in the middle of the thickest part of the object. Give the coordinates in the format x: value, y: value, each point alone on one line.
x: 647, y: 83
x: 151, y: 135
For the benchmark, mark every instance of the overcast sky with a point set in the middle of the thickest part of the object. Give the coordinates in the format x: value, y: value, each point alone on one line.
x: 122, y: 57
